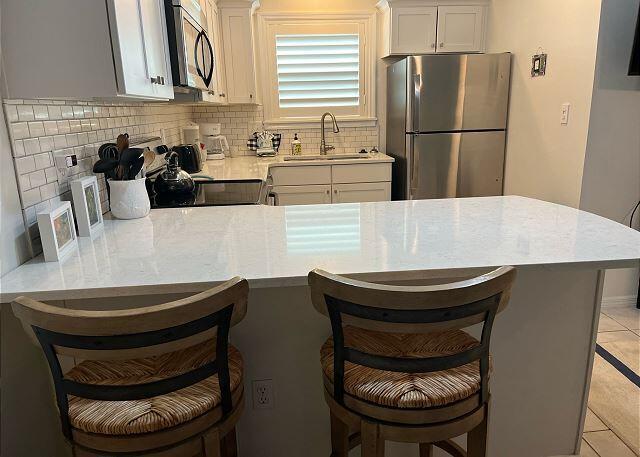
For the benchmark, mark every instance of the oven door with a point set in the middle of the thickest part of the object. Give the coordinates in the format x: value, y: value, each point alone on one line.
x: 192, y: 59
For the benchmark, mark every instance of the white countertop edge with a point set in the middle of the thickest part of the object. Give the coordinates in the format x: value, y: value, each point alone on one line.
x: 297, y: 281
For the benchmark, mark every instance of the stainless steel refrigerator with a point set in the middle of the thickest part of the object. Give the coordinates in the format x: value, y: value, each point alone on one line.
x: 446, y: 124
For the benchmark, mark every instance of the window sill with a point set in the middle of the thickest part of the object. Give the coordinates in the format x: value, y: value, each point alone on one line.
x: 310, y: 123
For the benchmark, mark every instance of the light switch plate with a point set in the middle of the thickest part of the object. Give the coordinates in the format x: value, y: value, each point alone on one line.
x: 538, y: 65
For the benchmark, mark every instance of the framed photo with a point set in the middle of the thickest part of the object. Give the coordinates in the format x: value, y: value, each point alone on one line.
x: 86, y: 201
x: 57, y: 232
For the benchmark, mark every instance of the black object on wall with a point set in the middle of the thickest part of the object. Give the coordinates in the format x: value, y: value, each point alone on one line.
x: 634, y: 65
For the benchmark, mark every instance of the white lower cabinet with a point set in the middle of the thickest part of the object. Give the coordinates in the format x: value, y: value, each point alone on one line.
x: 361, y: 192
x: 301, y: 195
x: 313, y: 185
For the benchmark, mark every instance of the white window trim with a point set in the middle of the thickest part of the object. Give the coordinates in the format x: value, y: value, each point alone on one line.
x: 268, y: 74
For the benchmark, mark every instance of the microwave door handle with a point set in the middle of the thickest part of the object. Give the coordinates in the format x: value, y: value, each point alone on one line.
x: 207, y: 79
x: 195, y: 54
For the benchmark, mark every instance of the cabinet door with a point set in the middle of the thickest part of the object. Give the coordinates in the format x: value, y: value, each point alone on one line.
x: 156, y: 46
x: 128, y: 39
x: 361, y: 192
x: 413, y: 30
x: 216, y: 38
x: 460, y: 28
x: 237, y: 38
x: 302, y: 195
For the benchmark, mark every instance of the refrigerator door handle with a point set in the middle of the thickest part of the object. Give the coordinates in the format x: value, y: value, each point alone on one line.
x: 413, y: 166
x: 417, y: 86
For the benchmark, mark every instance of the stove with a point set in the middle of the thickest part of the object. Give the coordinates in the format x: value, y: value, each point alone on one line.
x: 216, y: 193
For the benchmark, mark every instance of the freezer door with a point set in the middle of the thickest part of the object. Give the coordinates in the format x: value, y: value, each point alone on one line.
x: 444, y: 165
x: 458, y: 92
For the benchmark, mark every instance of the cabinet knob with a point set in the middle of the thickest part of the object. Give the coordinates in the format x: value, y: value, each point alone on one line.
x: 327, y: 192
x: 442, y: 45
x: 433, y: 45
x: 154, y: 80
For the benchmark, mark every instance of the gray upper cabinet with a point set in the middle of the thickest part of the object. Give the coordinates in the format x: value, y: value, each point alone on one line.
x: 85, y: 49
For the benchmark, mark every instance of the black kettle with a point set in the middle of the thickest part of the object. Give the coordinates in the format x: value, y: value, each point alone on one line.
x: 173, y: 181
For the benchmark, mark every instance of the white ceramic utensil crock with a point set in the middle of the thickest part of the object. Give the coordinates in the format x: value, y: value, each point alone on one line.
x: 129, y: 199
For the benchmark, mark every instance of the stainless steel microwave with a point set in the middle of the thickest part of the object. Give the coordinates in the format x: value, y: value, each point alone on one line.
x: 190, y: 50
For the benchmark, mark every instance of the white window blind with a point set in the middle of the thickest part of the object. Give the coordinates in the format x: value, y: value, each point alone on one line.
x: 318, y: 70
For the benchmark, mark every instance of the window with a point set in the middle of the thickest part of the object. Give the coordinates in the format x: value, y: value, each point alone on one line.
x: 317, y: 63
x: 318, y: 70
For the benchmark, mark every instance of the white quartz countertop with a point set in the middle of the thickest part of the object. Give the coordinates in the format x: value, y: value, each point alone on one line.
x: 186, y: 250
x: 252, y: 167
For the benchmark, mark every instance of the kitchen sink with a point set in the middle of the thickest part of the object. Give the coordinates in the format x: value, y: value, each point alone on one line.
x: 326, y: 157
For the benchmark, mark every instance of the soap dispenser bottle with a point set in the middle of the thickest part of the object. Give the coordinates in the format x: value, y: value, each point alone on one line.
x: 296, y: 146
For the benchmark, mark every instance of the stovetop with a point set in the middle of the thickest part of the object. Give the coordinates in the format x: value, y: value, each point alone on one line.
x: 216, y: 193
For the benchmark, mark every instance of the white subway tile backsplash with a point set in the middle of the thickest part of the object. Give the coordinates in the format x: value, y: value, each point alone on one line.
x: 43, y: 160
x: 20, y: 130
x: 11, y: 112
x: 40, y: 112
x: 78, y: 112
x: 31, y: 146
x: 31, y: 197
x: 72, y: 139
x: 24, y: 183
x: 25, y: 165
x: 59, y: 142
x: 18, y: 148
x: 37, y: 178
x: 50, y: 127
x: 51, y: 174
x: 25, y: 113
x: 55, y: 112
x: 49, y: 190
x: 67, y: 112
x: 36, y: 129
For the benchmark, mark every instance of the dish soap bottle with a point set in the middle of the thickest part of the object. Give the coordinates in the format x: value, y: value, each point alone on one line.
x: 296, y: 146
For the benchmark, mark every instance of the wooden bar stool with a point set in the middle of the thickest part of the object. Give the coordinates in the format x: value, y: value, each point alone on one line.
x: 159, y: 381
x: 399, y: 367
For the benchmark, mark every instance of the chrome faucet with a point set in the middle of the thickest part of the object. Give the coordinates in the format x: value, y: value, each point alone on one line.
x: 324, y: 147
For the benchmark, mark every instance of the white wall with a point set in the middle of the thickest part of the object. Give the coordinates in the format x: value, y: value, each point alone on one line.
x: 611, y: 182
x: 544, y: 159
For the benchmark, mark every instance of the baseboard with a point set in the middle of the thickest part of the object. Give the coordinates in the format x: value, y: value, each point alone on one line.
x: 619, y: 301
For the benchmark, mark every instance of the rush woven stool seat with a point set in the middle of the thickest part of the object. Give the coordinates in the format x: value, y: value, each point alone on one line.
x: 399, y: 366
x: 158, y: 381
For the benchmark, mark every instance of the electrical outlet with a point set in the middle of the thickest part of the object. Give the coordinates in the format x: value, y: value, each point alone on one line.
x: 262, y: 394
x: 564, y: 113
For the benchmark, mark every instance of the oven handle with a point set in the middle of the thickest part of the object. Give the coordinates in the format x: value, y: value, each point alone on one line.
x: 207, y: 78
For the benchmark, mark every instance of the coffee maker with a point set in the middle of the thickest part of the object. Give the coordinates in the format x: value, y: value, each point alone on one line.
x: 215, y: 144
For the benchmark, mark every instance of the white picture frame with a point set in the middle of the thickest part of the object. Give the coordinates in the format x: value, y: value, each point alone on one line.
x: 86, y: 202
x: 57, y: 232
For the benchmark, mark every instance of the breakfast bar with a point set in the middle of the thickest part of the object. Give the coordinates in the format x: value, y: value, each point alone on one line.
x: 542, y: 346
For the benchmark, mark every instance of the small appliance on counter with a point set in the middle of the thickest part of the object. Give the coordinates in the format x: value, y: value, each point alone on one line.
x: 192, y: 135
x: 189, y: 157
x: 215, y: 144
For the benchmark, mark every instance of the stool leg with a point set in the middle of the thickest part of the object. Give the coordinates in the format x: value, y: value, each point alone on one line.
x: 426, y: 450
x: 211, y: 444
x: 229, y: 444
x: 477, y: 438
x: 372, y: 443
x: 339, y: 437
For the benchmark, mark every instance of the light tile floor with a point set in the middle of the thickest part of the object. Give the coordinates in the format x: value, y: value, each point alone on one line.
x: 612, y: 427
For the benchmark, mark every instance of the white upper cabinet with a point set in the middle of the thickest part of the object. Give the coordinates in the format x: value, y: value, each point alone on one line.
x: 139, y: 38
x: 460, y: 28
x: 217, y: 88
x: 238, y: 40
x: 413, y: 27
x: 80, y: 49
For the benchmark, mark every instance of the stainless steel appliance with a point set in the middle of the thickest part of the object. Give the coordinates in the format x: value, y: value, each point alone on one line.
x: 214, y: 193
x: 190, y: 49
x: 446, y: 124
